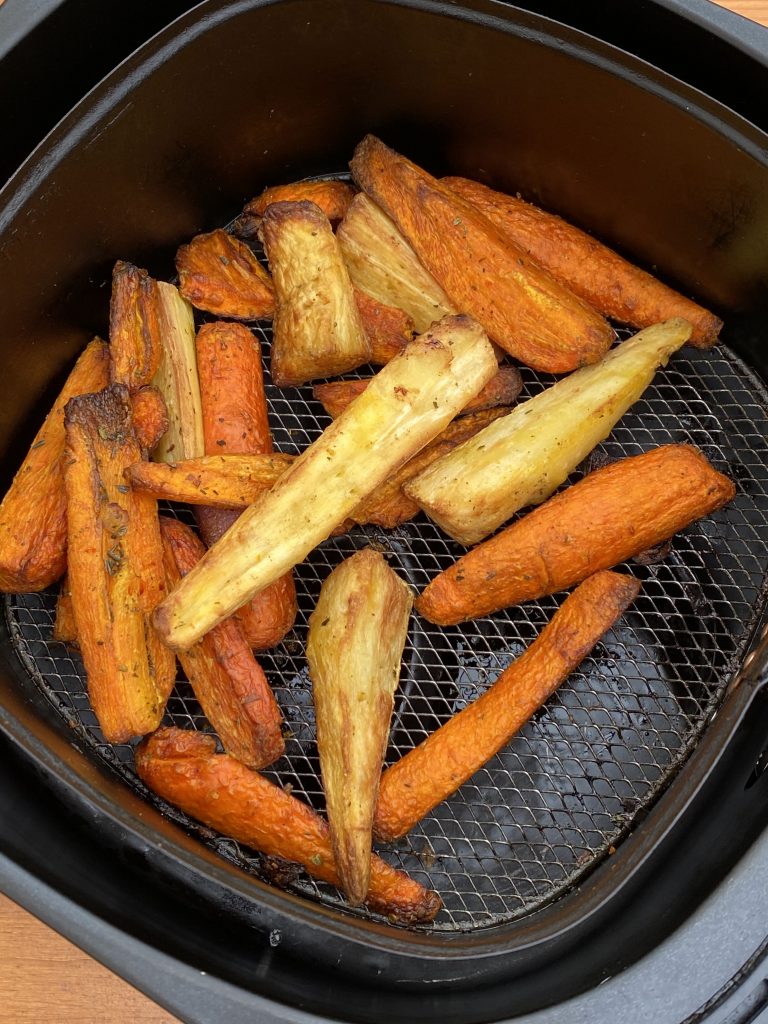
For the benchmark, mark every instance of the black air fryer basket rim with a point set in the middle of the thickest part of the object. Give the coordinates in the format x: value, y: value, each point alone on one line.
x: 73, y: 131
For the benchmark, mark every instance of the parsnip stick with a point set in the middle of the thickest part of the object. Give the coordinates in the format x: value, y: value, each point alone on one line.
x: 177, y: 379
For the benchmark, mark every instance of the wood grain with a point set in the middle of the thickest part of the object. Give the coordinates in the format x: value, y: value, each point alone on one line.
x: 46, y: 980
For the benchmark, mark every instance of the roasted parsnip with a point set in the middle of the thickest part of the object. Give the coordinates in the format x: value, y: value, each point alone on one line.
x: 521, y: 459
x: 383, y: 265
x: 601, y: 277
x: 437, y: 767
x: 116, y: 574
x: 317, y: 329
x: 410, y: 401
x: 134, y: 327
x: 225, y: 677
x: 220, y: 274
x: 484, y: 273
x: 184, y: 769
x: 355, y: 644
x: 332, y: 197
x: 609, y: 516
x: 33, y: 513
x: 177, y: 380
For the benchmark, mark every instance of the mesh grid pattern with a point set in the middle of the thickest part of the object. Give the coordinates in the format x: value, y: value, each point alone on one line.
x: 571, y: 784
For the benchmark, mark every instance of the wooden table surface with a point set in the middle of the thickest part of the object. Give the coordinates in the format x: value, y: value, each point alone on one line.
x: 46, y: 980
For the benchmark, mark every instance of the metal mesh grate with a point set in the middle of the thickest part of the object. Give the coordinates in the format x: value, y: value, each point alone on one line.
x: 574, y: 780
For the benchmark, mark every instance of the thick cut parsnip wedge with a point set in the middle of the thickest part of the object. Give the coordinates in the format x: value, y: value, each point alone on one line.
x: 606, y: 518
x: 184, y: 769
x: 134, y: 326
x: 437, y: 767
x: 601, y: 277
x: 405, y: 406
x: 483, y: 272
x: 176, y: 378
x: 149, y: 415
x: 228, y: 682
x: 383, y: 265
x: 355, y: 644
x: 221, y: 481
x: 317, y: 329
x: 33, y: 513
x: 332, y: 197
x: 502, y: 389
x: 220, y: 274
x: 116, y: 574
x: 388, y: 329
x: 521, y: 459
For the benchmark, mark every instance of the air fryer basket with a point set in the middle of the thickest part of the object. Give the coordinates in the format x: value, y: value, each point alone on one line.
x: 567, y: 840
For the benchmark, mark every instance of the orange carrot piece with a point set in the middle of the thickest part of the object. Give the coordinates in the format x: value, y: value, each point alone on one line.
x: 220, y: 274
x: 221, y: 481
x: 64, y: 624
x: 333, y: 198
x: 33, y: 513
x: 184, y: 769
x: 609, y: 516
x: 482, y: 271
x: 150, y: 417
x: 597, y: 274
x: 134, y: 327
x: 236, y: 421
x: 429, y: 773
x: 227, y: 680
x: 503, y: 389
x: 388, y: 329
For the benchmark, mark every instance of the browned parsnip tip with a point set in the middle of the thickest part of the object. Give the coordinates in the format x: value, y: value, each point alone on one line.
x: 220, y: 274
x: 483, y: 272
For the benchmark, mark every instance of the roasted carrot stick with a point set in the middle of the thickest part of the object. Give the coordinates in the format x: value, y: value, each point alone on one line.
x: 236, y: 421
x: 609, y: 283
x: 502, y: 389
x: 220, y: 274
x: 483, y: 272
x: 64, y: 625
x: 33, y: 514
x: 225, y: 677
x: 609, y: 516
x: 150, y: 417
x: 388, y: 329
x: 333, y: 198
x: 220, y: 481
x: 134, y: 327
x: 184, y: 769
x: 116, y: 574
x: 436, y: 768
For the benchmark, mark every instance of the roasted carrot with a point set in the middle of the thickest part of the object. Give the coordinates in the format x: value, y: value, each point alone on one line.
x: 429, y: 773
x: 150, y: 417
x: 64, y: 625
x: 609, y: 516
x: 116, y: 574
x: 484, y: 273
x: 597, y: 274
x: 227, y: 680
x: 33, y: 513
x: 221, y: 481
x: 134, y: 327
x: 503, y: 389
x: 184, y: 769
x: 236, y: 421
x: 220, y: 274
x: 388, y: 329
x: 333, y: 198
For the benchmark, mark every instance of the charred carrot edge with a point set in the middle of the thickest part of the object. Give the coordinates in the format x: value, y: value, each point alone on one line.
x: 597, y: 274
x: 503, y: 389
x: 150, y: 417
x: 483, y: 272
x: 220, y: 274
x: 184, y: 769
x: 236, y: 421
x: 388, y: 329
x: 33, y: 513
x: 606, y: 518
x: 134, y: 327
x: 115, y: 568
x: 64, y: 625
x: 436, y: 768
x: 227, y: 680
x: 333, y: 198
